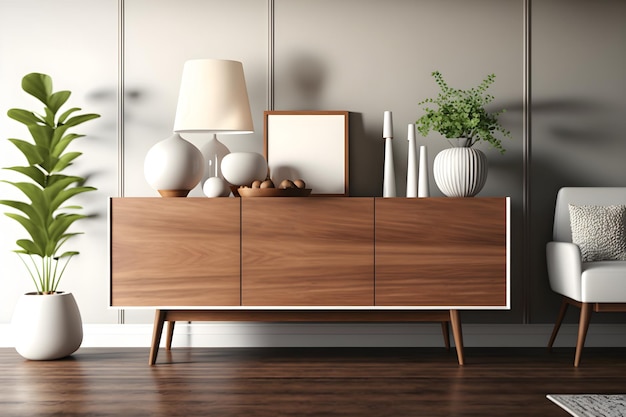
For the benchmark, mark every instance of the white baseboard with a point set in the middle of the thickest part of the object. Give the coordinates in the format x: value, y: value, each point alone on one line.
x: 340, y: 335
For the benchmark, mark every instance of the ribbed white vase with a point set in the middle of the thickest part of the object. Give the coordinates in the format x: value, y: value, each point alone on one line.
x: 460, y: 172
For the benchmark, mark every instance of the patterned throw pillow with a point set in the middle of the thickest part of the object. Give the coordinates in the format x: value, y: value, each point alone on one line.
x: 599, y: 231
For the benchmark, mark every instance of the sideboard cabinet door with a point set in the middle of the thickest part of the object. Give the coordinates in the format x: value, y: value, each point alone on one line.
x: 441, y: 252
x: 175, y: 252
x: 307, y: 251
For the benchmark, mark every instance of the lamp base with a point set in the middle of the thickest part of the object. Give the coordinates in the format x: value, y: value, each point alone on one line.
x: 173, y: 193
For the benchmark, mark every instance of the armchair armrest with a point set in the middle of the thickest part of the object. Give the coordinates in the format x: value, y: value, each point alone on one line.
x: 564, y: 268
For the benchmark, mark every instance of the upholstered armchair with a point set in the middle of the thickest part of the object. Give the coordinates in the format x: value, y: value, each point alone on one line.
x: 587, y: 257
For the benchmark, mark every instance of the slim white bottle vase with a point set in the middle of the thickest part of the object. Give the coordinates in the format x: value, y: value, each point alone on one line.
x: 389, y: 173
x: 423, y: 188
x: 411, y: 169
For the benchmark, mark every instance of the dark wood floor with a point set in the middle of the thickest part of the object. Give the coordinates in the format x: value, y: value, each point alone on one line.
x: 304, y: 382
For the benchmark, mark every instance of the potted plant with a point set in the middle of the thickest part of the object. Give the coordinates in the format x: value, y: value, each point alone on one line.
x: 47, y: 220
x: 460, y: 116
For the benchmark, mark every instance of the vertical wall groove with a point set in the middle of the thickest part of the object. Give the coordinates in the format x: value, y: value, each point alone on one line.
x: 270, y: 55
x: 120, y: 101
x: 120, y: 116
x: 526, y: 135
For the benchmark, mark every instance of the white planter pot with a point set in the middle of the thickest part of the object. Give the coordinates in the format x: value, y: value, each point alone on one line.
x: 460, y: 172
x: 47, y: 327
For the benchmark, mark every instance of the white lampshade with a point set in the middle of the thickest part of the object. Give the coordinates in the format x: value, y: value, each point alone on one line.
x: 213, y: 98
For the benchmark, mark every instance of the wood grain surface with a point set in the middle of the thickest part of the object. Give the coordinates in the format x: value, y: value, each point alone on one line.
x: 175, y: 251
x: 441, y: 252
x: 307, y: 251
x: 329, y: 382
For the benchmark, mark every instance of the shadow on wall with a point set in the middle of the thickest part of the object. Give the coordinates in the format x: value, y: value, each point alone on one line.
x: 307, y: 75
x: 366, y: 165
x: 553, y: 164
x: 567, y: 134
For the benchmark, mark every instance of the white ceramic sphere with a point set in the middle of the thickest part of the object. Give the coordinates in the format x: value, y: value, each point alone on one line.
x: 173, y: 164
x: 215, y: 187
x: 47, y: 327
x: 241, y: 168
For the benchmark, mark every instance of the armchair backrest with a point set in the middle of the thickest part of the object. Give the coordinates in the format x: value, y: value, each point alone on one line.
x: 588, y: 196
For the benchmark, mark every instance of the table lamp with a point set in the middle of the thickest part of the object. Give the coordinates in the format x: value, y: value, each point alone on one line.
x: 213, y: 98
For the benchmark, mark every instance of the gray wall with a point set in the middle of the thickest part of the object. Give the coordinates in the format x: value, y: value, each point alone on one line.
x: 365, y: 56
x: 578, y: 117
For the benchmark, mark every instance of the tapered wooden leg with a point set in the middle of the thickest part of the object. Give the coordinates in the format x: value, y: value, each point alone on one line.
x: 445, y: 329
x: 159, y: 319
x: 457, y: 332
x: 583, y: 325
x: 557, y: 324
x: 170, y: 334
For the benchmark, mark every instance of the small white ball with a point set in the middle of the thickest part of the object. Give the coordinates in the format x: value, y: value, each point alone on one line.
x: 215, y: 187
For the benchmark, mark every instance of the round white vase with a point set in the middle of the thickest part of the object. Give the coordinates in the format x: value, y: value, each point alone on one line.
x: 460, y: 172
x: 47, y: 327
x: 173, y: 166
x: 242, y: 168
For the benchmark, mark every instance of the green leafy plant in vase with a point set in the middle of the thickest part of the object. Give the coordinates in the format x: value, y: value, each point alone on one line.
x: 47, y: 324
x: 47, y: 188
x: 461, y: 114
x: 461, y: 117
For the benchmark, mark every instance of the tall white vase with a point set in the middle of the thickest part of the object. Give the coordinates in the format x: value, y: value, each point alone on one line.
x: 423, y: 186
x: 460, y: 172
x: 411, y: 166
x: 47, y: 327
x: 389, y: 174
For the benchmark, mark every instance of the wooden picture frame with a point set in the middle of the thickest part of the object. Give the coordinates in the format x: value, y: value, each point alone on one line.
x: 308, y: 145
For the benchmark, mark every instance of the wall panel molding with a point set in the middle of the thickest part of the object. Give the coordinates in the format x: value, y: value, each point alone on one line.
x: 526, y: 165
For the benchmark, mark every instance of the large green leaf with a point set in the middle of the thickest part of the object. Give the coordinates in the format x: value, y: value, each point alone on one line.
x: 24, y: 116
x: 56, y: 100
x: 67, y: 113
x: 33, y: 153
x: 54, y: 178
x: 76, y: 120
x: 36, y: 196
x: 37, y: 234
x: 56, y: 194
x: 49, y: 117
x: 29, y: 247
x: 61, y: 223
x: 65, y: 160
x: 27, y: 209
x: 64, y: 142
x: 57, y: 138
x: 42, y: 135
x: 61, y: 181
x: 66, y: 254
x: 59, y: 242
x: 64, y: 195
x: 31, y: 172
x: 38, y: 85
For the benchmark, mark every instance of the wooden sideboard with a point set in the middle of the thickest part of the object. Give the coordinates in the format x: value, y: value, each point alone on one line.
x: 352, y: 259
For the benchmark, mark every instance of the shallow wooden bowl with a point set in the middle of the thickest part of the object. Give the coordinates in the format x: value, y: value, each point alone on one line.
x: 273, y: 192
